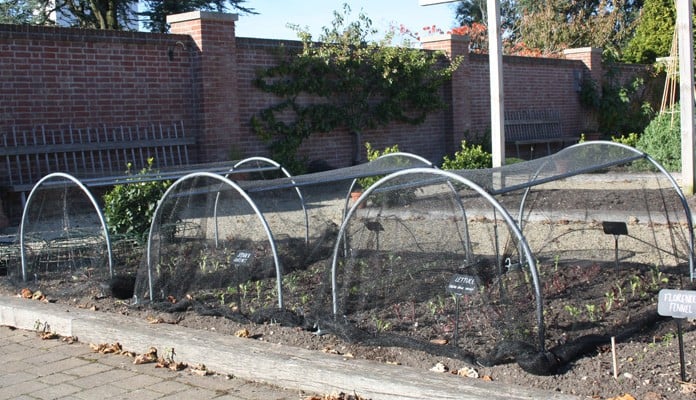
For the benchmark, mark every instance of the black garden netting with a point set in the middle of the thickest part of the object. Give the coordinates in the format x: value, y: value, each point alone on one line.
x: 535, y: 262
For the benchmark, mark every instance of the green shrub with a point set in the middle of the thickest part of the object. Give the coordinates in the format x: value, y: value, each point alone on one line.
x: 469, y: 157
x: 373, y: 154
x: 661, y: 140
x: 630, y: 140
x: 129, y: 207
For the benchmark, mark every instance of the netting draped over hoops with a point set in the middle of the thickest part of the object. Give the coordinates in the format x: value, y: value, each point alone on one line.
x: 57, y: 235
x: 411, y: 264
x: 400, y: 258
x: 496, y: 263
x: 188, y: 251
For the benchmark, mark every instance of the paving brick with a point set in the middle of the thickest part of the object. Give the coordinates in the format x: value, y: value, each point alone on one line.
x: 106, y: 377
x: 139, y: 381
x: 191, y: 393
x: 57, y: 378
x: 87, y: 369
x: 18, y: 389
x: 169, y: 387
x: 62, y: 365
x: 56, y: 391
x: 140, y: 394
x: 9, y: 379
x: 100, y: 392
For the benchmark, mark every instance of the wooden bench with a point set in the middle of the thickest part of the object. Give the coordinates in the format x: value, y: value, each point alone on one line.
x: 532, y: 128
x: 90, y: 153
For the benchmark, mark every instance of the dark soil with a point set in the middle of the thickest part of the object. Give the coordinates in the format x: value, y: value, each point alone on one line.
x: 646, y: 349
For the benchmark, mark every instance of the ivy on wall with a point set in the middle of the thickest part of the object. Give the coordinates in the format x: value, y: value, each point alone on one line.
x: 345, y: 81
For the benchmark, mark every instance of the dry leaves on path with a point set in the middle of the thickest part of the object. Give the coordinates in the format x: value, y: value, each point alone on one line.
x: 339, y: 396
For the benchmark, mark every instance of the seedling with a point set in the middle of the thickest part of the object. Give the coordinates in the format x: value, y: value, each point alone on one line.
x: 572, y: 310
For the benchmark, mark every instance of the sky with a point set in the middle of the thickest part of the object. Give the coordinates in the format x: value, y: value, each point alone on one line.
x: 274, y: 15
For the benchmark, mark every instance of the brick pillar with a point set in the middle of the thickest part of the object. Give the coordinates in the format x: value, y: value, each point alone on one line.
x: 215, y: 75
x: 459, y: 115
x: 591, y: 57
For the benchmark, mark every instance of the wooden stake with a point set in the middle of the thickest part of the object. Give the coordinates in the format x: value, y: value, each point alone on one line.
x: 613, y: 357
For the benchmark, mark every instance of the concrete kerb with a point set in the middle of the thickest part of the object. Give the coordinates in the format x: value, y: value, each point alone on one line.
x: 284, y: 366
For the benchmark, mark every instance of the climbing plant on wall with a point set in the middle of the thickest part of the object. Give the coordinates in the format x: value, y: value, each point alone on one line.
x: 346, y: 81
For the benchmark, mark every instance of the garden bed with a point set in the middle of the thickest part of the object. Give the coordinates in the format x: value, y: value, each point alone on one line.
x: 582, y: 298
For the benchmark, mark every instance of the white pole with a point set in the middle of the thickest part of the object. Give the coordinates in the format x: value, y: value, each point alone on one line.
x: 495, y: 60
x: 686, y: 93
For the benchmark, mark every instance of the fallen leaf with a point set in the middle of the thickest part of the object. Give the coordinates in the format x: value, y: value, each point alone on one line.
x: 25, y: 293
x: 200, y: 369
x: 468, y: 372
x: 104, y: 348
x: 69, y: 339
x: 38, y: 295
x: 487, y: 378
x: 439, y: 367
x: 339, y: 396
x: 439, y: 341
x: 114, y: 348
x: 329, y: 350
x: 688, y: 388
x: 146, y: 358
x: 49, y: 336
x: 172, y: 365
x: 242, y: 333
x: 624, y: 396
x: 154, y: 320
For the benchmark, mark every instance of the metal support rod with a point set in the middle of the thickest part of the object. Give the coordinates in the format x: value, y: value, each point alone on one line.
x: 682, y: 369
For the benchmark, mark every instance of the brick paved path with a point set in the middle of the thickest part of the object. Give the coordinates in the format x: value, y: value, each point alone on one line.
x: 31, y: 368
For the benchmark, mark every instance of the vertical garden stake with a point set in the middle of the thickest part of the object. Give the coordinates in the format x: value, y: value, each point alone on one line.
x: 682, y: 363
x: 458, y: 286
x: 617, y: 229
x: 678, y: 304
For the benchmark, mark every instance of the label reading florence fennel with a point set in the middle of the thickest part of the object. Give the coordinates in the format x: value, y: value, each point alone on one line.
x: 677, y: 303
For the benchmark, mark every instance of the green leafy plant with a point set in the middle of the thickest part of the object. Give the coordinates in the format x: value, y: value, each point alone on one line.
x: 470, y: 156
x: 129, y: 207
x: 372, y: 155
x: 657, y: 278
x: 662, y: 139
x: 572, y: 310
x: 344, y: 81
x: 626, y: 107
x: 630, y: 140
x: 591, y: 312
x: 609, y: 299
x: 381, y: 325
x: 589, y: 93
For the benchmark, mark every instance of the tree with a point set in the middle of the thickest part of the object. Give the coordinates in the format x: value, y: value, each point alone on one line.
x: 95, y: 14
x: 108, y: 14
x: 470, y: 12
x: 653, y: 37
x: 346, y: 81
x: 157, y: 10
x: 555, y: 25
x: 21, y: 12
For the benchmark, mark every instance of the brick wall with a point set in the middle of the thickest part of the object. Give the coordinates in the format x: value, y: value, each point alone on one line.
x: 58, y: 77
x: 202, y: 74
